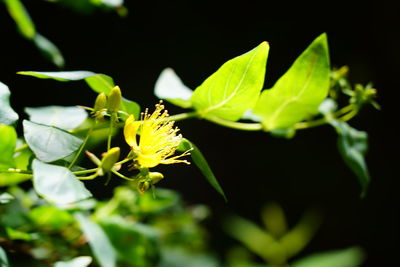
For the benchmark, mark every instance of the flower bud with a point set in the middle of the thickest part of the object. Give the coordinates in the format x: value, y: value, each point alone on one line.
x: 114, y: 99
x: 100, y: 103
x: 93, y: 157
x: 155, y: 177
x: 109, y: 159
x: 143, y: 186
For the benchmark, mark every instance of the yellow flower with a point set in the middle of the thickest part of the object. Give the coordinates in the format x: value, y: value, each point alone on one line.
x: 158, y: 139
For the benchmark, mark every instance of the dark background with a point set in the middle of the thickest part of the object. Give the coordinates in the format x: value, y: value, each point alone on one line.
x: 195, y: 38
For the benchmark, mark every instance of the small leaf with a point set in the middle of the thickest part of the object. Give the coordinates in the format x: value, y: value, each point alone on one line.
x: 49, y: 50
x: 21, y: 17
x: 135, y: 243
x: 130, y: 107
x: 171, y: 88
x: 202, y: 164
x: 234, y: 88
x: 98, y: 241
x: 100, y: 83
x: 3, y: 258
x: 82, y: 261
x: 6, y: 198
x: 8, y: 138
x: 50, y: 217
x: 299, y: 92
x: 62, y: 76
x: 22, y: 160
x: 57, y: 184
x: 65, y: 118
x: 350, y: 257
x: 353, y: 145
x: 7, y: 115
x: 48, y: 142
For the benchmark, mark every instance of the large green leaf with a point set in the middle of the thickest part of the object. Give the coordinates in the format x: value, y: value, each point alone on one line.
x: 98, y: 82
x: 21, y: 160
x: 135, y: 243
x: 233, y: 88
x: 48, y: 142
x: 21, y: 17
x: 202, y: 164
x: 353, y: 145
x: 350, y: 257
x: 50, y: 217
x: 65, y: 118
x: 299, y: 92
x: 82, y: 261
x: 98, y: 241
x: 57, y: 184
x: 171, y: 88
x: 8, y: 141
x: 7, y: 114
x: 3, y: 258
x: 49, y: 50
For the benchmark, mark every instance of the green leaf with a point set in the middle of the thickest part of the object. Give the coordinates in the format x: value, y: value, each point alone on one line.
x: 19, y: 235
x: 171, y: 88
x: 21, y: 17
x: 202, y: 164
x: 21, y: 159
x: 98, y: 241
x: 62, y: 76
x: 3, y: 258
x: 6, y: 198
x: 175, y: 257
x: 233, y: 88
x: 100, y: 83
x: 65, y: 118
x: 8, y: 138
x: 49, y: 50
x: 57, y: 184
x: 350, y: 257
x: 50, y: 217
x: 7, y: 114
x: 353, y: 145
x: 130, y: 107
x: 135, y: 243
x: 82, y: 261
x: 48, y: 142
x: 299, y: 92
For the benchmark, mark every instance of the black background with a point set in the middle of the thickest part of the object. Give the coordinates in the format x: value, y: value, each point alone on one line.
x: 195, y: 38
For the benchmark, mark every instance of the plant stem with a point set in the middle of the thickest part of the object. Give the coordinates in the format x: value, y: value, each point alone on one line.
x: 85, y: 171
x: 81, y: 148
x: 182, y: 116
x: 12, y: 170
x: 123, y: 161
x: 236, y: 125
x: 122, y: 176
x: 110, y: 133
x: 21, y: 147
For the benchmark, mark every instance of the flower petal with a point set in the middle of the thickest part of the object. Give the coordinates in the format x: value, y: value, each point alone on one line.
x: 130, y: 131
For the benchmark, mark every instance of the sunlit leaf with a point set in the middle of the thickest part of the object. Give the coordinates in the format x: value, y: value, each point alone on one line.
x: 3, y: 258
x: 48, y: 142
x: 21, y: 17
x: 8, y: 141
x: 6, y: 198
x: 353, y: 145
x: 299, y: 92
x: 202, y: 164
x: 171, y: 88
x: 100, y: 83
x: 350, y: 257
x: 135, y: 243
x: 174, y: 257
x: 21, y: 160
x: 49, y: 50
x: 130, y: 107
x: 98, y: 241
x: 7, y: 114
x: 82, y: 261
x: 65, y: 118
x: 50, y: 217
x: 57, y: 184
x: 62, y: 76
x: 234, y: 88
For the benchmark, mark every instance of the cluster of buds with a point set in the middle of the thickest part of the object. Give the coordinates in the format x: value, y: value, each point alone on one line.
x: 104, y: 105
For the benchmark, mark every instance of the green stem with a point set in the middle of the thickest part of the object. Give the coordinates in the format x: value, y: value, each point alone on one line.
x: 85, y: 171
x: 122, y: 176
x: 110, y: 133
x: 123, y: 161
x: 236, y: 125
x: 81, y: 148
x: 182, y: 116
x: 12, y: 170
x: 91, y: 177
x: 20, y: 148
